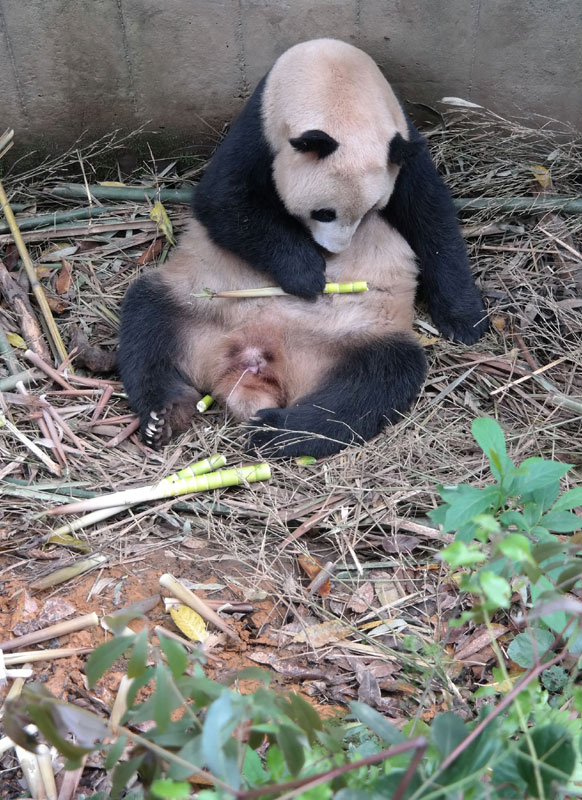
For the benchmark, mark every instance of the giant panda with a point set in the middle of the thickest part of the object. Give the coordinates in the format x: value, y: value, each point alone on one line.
x: 309, y: 377
x: 321, y: 145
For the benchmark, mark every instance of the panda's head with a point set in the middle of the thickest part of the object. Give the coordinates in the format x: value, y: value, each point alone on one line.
x: 331, y: 192
x: 338, y: 137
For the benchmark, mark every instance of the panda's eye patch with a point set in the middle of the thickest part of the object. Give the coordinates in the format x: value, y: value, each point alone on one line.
x: 323, y: 215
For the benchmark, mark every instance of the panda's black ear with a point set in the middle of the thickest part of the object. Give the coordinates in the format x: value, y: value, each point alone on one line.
x: 401, y: 150
x: 318, y: 142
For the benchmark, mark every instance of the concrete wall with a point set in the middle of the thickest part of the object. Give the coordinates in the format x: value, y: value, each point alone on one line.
x: 186, y: 66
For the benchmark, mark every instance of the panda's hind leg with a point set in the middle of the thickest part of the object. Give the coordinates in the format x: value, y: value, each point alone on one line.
x: 149, y: 349
x: 372, y: 386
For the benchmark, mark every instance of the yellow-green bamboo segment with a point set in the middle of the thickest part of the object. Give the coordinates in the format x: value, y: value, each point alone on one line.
x: 199, y: 468
x: 57, y: 346
x: 170, y: 488
x: 204, y: 404
x: 275, y: 291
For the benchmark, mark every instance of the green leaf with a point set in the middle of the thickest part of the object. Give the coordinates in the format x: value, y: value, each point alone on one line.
x: 170, y: 790
x: 514, y: 518
x: 138, y: 661
x: 176, y: 655
x: 288, y: 740
x: 516, y: 547
x: 466, y: 502
x: 305, y: 715
x: 377, y: 723
x: 253, y: 768
x: 542, y: 552
x: 561, y: 521
x: 275, y: 763
x: 105, y: 656
x: 219, y: 724
x: 122, y: 774
x: 191, y: 752
x: 570, y: 576
x: 506, y: 780
x: 524, y: 648
x: 447, y: 732
x: 545, y: 496
x: 555, y: 755
x: 495, y: 587
x: 569, y: 500
x: 490, y: 438
x: 557, y: 620
x: 162, y: 698
x: 458, y: 554
x: 115, y: 752
x: 535, y: 473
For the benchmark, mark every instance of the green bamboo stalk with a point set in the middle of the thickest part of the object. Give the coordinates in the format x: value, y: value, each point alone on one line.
x: 199, y: 468
x: 136, y: 194
x: 275, y: 291
x: 204, y: 404
x: 569, y: 205
x: 197, y: 483
x: 31, y: 223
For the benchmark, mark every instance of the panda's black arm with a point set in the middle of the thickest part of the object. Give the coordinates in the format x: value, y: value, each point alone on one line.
x: 238, y: 204
x: 148, y: 351
x: 372, y: 386
x: 421, y: 209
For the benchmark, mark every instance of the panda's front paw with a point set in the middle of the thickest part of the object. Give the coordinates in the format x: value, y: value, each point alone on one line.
x: 303, y: 274
x: 465, y: 322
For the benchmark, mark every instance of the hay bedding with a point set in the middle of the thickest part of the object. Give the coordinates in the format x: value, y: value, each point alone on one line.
x: 345, y: 511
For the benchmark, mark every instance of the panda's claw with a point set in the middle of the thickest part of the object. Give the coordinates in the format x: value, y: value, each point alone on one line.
x: 153, y: 431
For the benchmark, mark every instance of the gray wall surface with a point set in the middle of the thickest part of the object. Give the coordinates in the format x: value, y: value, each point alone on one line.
x: 184, y: 67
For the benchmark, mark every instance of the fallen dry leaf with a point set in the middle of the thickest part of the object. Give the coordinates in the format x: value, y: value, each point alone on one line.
x: 362, y: 599
x: 312, y: 567
x: 64, y: 278
x: 151, y: 252
x: 480, y: 639
x: 322, y: 634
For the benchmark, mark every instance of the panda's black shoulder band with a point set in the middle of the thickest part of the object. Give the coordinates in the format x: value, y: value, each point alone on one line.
x: 402, y: 150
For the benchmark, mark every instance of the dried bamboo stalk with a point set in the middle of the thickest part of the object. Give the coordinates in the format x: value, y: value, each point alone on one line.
x: 58, y: 347
x: 60, y: 629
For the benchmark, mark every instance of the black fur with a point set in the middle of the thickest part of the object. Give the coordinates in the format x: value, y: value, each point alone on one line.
x: 315, y: 141
x: 421, y: 209
x: 238, y: 204
x: 401, y: 150
x: 148, y: 345
x: 373, y: 386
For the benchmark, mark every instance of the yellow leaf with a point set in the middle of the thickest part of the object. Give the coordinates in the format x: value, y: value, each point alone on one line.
x: 111, y: 183
x: 16, y: 340
x: 158, y: 214
x: 542, y: 175
x: 190, y: 623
